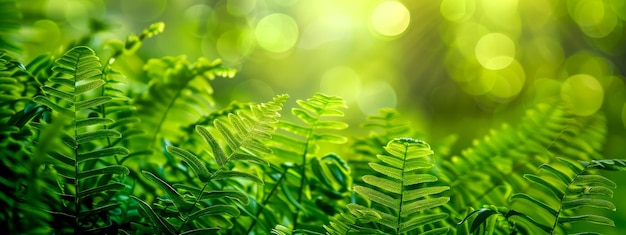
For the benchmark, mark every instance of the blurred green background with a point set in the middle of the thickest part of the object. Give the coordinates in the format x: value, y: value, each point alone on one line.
x: 450, y: 67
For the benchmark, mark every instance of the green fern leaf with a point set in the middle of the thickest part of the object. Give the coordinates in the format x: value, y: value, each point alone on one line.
x: 545, y: 131
x: 215, y: 210
x: 83, y: 173
x: 299, y: 143
x: 595, y: 180
x: 232, y: 194
x: 244, y: 133
x: 93, y: 122
x: 596, y: 219
x: 178, y: 199
x: 201, y: 231
x: 588, y: 202
x: 192, y: 160
x: 558, y: 192
x: 377, y: 196
x: 96, y: 154
x: 112, y: 169
x: 178, y: 95
x: 100, y: 189
x: 87, y: 137
x: 536, y: 202
x: 219, y: 155
x: 582, y: 189
x: 163, y: 226
x: 82, y: 105
x: 404, y: 158
x: 222, y: 175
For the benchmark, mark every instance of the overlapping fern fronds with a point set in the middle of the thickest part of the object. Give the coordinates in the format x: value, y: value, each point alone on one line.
x: 384, y: 127
x: 299, y: 143
x: 186, y: 208
x: 121, y: 107
x: 19, y: 188
x: 401, y: 193
x: 562, y: 191
x: 486, y: 172
x: 84, y: 179
x: 178, y: 94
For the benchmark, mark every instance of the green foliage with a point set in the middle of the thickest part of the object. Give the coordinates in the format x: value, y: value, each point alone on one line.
x: 401, y: 192
x: 307, y: 187
x: 178, y: 93
x: 19, y: 187
x: 91, y: 148
x: 563, y: 190
x: 9, y: 24
x: 78, y: 162
x: 184, y: 213
x: 486, y: 172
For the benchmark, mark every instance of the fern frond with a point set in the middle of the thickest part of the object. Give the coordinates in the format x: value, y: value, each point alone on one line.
x: 383, y: 127
x: 178, y: 94
x: 400, y: 192
x: 296, y: 140
x: 82, y: 169
x: 299, y: 143
x: 245, y: 132
x: 486, y: 172
x: 567, y: 187
x: 23, y: 201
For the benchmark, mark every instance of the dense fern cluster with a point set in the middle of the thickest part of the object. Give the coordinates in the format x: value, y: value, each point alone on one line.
x: 86, y: 150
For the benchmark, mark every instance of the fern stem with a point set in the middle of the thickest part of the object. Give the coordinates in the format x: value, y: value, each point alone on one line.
x: 266, y: 199
x: 164, y: 116
x: 75, y: 147
x: 180, y: 229
x: 303, y: 175
x: 399, y: 218
x: 103, y: 107
x: 558, y: 213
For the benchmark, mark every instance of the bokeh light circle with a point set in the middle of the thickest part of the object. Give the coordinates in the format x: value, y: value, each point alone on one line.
x: 390, y: 18
x: 594, y: 17
x: 341, y: 81
x: 508, y: 82
x: 376, y: 95
x: 495, y: 51
x: 583, y: 94
x: 235, y: 45
x: 277, y: 32
x: 457, y: 10
x: 48, y: 32
x: 480, y: 84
